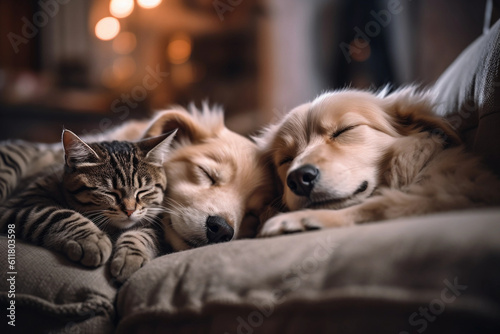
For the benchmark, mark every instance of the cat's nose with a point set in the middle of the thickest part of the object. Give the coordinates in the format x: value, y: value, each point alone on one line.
x: 129, y: 212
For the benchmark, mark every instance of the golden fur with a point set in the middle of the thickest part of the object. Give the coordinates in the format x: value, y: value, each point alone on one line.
x: 370, y: 157
x: 211, y: 171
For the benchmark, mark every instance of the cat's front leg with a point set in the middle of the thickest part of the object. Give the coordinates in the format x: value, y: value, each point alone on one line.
x: 132, y: 251
x: 73, y: 234
x: 62, y: 230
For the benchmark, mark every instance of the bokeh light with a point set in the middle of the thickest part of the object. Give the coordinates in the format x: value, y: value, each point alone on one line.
x: 124, y: 43
x: 107, y: 28
x: 179, y: 49
x: 121, y: 8
x: 148, y: 3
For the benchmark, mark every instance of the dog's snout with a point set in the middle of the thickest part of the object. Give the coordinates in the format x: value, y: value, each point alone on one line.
x: 218, y: 230
x: 301, y: 180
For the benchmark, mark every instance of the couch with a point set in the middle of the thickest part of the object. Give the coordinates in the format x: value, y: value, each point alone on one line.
x: 438, y: 273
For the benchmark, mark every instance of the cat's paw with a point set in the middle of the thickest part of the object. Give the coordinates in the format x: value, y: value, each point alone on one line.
x: 92, y: 250
x: 126, y: 261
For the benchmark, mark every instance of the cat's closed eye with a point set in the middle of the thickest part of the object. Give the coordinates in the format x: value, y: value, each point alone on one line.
x: 148, y: 193
x: 142, y: 192
x: 116, y: 195
x: 139, y: 194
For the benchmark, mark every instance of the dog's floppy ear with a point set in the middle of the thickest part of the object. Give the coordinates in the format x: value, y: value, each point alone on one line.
x: 189, y: 128
x: 424, y: 134
x: 265, y: 138
x: 411, y: 112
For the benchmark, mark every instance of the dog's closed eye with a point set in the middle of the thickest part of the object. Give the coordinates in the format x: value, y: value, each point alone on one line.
x: 342, y: 130
x: 285, y: 160
x: 209, y: 176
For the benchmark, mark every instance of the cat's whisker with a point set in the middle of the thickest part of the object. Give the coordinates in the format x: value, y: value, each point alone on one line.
x: 173, y: 207
x: 158, y: 219
x: 100, y: 221
x: 93, y: 211
x: 104, y: 223
x: 152, y: 217
x: 157, y: 210
x: 174, y: 213
x: 170, y: 211
x: 145, y: 221
x: 170, y: 202
x: 93, y: 215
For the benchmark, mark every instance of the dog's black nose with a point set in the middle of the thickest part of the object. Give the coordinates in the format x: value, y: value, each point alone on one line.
x: 301, y: 181
x: 218, y: 230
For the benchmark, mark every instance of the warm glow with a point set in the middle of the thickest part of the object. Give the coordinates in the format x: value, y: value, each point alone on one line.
x: 107, y: 28
x: 179, y: 49
x: 121, y: 8
x: 124, y: 68
x: 124, y: 43
x: 148, y: 3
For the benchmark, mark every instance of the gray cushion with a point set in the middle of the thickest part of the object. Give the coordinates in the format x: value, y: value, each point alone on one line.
x: 468, y: 93
x: 362, y: 279
x: 51, y: 293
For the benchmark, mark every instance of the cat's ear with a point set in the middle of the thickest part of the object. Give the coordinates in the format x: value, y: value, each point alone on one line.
x: 76, y: 151
x: 156, y: 149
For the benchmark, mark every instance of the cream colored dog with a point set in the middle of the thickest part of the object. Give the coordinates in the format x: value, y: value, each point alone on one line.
x: 354, y: 157
x: 217, y: 186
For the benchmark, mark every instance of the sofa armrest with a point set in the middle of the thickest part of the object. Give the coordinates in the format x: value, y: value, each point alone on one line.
x: 468, y: 94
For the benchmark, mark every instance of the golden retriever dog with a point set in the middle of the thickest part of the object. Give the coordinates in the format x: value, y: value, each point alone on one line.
x: 217, y: 186
x: 352, y: 157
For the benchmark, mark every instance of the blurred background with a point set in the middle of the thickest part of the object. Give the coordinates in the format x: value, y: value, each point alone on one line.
x: 89, y: 65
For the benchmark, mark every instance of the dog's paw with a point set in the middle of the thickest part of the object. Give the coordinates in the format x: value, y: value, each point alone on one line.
x: 126, y: 261
x: 92, y: 250
x: 292, y: 222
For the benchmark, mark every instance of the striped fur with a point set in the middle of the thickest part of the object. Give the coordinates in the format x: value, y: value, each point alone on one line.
x: 102, y: 191
x: 20, y: 160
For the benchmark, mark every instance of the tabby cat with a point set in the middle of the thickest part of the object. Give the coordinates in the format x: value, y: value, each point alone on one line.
x: 20, y: 159
x: 101, y: 190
